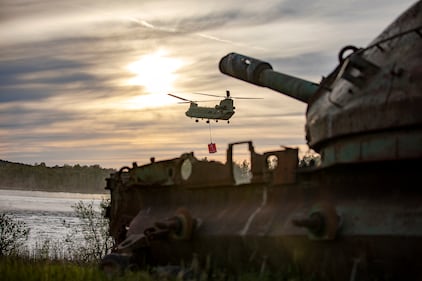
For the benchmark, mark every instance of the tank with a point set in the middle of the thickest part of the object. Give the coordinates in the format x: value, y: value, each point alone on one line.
x: 356, y: 214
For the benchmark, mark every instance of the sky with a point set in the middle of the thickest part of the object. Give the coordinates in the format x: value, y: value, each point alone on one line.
x: 86, y: 82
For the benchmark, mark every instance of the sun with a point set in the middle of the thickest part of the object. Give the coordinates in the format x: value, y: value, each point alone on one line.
x: 156, y: 72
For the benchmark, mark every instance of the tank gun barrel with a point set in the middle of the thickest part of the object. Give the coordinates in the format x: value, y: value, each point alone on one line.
x: 262, y: 74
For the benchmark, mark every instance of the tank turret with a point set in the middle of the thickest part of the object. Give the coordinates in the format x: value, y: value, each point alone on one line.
x: 368, y: 108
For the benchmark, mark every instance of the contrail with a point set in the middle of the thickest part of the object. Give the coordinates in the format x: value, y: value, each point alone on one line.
x: 149, y: 25
x: 146, y: 24
x: 206, y: 36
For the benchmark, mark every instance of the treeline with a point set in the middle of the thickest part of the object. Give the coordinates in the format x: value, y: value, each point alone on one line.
x: 82, y: 179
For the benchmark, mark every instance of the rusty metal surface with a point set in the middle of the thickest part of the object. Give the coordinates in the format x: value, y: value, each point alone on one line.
x: 261, y: 73
x: 188, y: 172
x: 328, y: 220
x: 373, y: 91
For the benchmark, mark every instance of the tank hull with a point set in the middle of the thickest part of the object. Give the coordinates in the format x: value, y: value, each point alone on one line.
x: 378, y: 231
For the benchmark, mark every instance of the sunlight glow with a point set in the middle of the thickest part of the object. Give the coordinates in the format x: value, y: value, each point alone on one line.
x: 148, y: 101
x: 155, y: 72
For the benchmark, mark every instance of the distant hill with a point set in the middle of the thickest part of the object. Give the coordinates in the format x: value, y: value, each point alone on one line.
x: 81, y: 179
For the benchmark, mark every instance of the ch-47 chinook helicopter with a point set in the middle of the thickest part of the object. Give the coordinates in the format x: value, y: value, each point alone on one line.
x: 222, y: 111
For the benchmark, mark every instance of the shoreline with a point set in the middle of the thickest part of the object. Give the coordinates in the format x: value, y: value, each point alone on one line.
x: 76, y: 191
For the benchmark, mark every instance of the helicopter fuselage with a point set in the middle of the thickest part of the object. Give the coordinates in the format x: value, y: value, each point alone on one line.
x: 222, y: 111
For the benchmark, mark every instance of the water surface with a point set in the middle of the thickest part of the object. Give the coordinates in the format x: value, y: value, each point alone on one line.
x: 49, y: 215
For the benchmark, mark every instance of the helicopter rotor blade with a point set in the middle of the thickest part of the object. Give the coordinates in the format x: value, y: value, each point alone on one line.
x: 228, y: 96
x: 245, y: 98
x: 186, y: 100
x: 189, y: 101
x: 210, y: 95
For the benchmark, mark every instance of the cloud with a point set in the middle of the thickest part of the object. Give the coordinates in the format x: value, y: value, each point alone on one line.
x: 13, y: 71
x: 63, y: 72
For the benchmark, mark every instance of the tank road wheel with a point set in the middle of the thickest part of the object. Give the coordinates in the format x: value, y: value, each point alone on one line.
x: 322, y: 222
x: 186, y: 225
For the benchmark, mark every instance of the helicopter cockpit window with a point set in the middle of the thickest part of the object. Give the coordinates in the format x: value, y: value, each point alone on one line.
x: 186, y: 169
x: 272, y: 162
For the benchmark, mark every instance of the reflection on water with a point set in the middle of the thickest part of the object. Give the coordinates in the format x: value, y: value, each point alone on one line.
x: 43, y: 201
x: 45, y: 213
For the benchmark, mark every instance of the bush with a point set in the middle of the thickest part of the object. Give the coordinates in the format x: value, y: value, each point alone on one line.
x: 13, y: 235
x: 94, y: 230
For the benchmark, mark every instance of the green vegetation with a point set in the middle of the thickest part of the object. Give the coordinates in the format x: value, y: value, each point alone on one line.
x: 88, y: 242
x: 310, y: 159
x: 94, y: 229
x: 13, y: 235
x: 83, y: 179
x: 18, y: 269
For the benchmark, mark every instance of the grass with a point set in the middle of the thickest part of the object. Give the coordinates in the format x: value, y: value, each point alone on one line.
x: 58, y: 261
x: 17, y: 269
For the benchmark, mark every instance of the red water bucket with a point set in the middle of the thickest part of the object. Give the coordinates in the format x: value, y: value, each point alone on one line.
x: 212, y: 148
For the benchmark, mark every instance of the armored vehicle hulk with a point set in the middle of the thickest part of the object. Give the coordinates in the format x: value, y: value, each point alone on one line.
x: 355, y: 215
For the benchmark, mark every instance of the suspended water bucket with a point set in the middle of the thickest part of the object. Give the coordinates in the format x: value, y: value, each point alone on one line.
x: 212, y: 148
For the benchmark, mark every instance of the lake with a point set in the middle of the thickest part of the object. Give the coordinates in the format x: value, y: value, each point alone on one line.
x: 46, y: 213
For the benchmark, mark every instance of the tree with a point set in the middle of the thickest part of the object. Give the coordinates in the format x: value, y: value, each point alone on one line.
x: 310, y: 159
x: 94, y: 229
x: 13, y: 234
x: 242, y: 172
